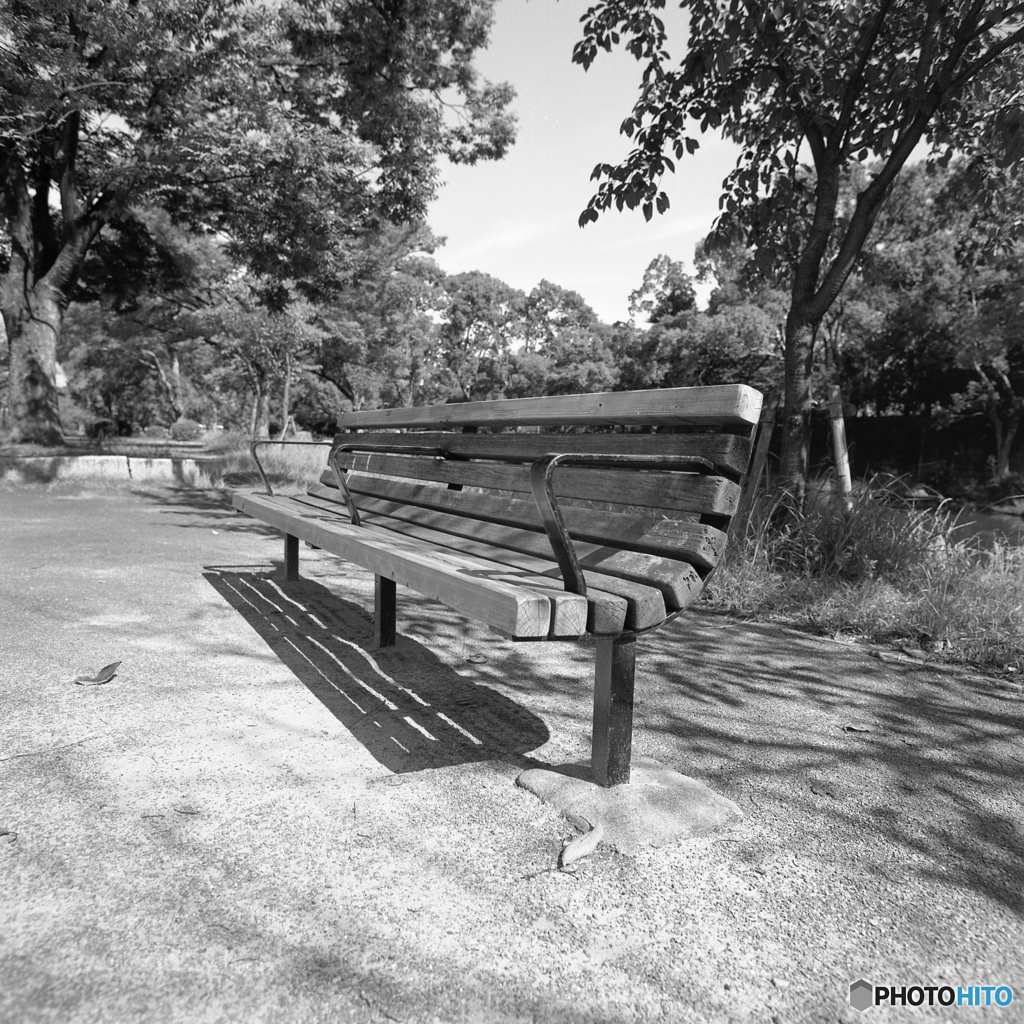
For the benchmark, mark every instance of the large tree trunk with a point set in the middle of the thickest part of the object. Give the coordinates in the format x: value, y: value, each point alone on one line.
x: 33, y: 319
x: 43, y: 268
x: 796, y: 432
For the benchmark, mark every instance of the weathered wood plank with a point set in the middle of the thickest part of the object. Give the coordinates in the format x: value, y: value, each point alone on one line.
x: 518, y: 609
x: 606, y: 612
x: 677, y: 541
x: 702, y: 495
x: 728, y: 453
x: 724, y: 405
x: 648, y: 533
x: 613, y: 604
x: 675, y: 578
x: 678, y: 492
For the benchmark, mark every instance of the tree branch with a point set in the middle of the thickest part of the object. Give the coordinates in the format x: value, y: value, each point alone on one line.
x: 869, y: 203
x: 982, y: 62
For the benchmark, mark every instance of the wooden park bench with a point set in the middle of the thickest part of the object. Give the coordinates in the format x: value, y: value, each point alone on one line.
x: 508, y: 514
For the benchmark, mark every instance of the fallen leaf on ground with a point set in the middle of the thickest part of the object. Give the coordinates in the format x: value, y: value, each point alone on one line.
x: 581, y: 847
x: 10, y: 833
x: 186, y: 809
x: 104, y: 675
x: 825, y: 789
x: 477, y: 659
x: 858, y: 727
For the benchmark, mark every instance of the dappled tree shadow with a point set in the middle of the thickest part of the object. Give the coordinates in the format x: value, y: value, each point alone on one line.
x: 929, y: 760
x: 813, y: 739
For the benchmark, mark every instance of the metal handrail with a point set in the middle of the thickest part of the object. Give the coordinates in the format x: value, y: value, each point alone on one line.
x: 259, y: 465
x: 339, y: 474
x: 542, y: 485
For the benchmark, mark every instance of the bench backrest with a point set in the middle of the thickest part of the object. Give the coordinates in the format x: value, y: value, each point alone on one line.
x: 421, y: 460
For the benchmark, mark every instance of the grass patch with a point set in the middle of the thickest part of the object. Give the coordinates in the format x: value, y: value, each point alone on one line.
x: 289, y: 468
x: 883, y: 570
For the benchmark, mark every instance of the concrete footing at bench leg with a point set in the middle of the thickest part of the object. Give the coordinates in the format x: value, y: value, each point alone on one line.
x: 291, y: 557
x: 658, y: 807
x: 612, y: 744
x: 385, y: 611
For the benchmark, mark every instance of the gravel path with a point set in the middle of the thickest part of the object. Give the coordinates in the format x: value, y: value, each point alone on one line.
x: 262, y: 819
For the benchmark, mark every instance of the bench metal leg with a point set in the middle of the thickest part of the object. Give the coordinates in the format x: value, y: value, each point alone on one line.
x: 291, y: 557
x: 613, y: 710
x: 384, y: 611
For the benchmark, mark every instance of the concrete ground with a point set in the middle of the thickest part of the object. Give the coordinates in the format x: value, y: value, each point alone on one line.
x: 261, y: 818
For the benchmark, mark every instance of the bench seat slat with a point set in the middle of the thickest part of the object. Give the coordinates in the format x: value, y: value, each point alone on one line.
x: 682, y: 492
x: 520, y: 608
x: 647, y: 533
x: 615, y: 603
x: 728, y: 453
x: 720, y: 405
x: 675, y: 578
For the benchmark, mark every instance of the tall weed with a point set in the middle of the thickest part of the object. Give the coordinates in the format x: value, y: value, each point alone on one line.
x: 883, y: 569
x: 288, y: 467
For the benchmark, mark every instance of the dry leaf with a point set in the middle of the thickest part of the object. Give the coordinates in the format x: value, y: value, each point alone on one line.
x: 581, y: 847
x: 825, y: 789
x: 104, y: 675
x: 477, y: 659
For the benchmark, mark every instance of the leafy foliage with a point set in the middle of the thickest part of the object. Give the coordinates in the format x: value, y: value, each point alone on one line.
x: 292, y: 129
x: 835, y: 82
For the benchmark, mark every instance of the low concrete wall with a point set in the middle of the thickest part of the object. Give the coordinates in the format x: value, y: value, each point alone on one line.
x: 44, y: 470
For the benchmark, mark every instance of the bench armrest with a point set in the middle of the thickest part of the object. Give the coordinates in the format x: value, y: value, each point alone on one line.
x: 542, y: 483
x: 259, y: 465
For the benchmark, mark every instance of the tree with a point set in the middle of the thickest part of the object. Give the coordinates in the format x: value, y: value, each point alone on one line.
x: 835, y: 82
x: 481, y: 323
x: 994, y: 348
x: 948, y: 272
x: 666, y: 295
x: 736, y: 339
x: 566, y: 348
x: 293, y: 127
x: 379, y: 333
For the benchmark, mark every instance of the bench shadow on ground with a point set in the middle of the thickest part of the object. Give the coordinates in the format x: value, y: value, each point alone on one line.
x: 408, y: 708
x: 926, y: 760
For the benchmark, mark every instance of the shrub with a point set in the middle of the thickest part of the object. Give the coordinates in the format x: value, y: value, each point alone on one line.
x: 885, y: 570
x: 186, y: 430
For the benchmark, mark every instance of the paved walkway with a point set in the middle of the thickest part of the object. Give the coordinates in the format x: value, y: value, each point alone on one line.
x: 262, y: 819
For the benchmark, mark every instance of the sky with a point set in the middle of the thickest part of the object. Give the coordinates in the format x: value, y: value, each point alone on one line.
x: 516, y: 218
